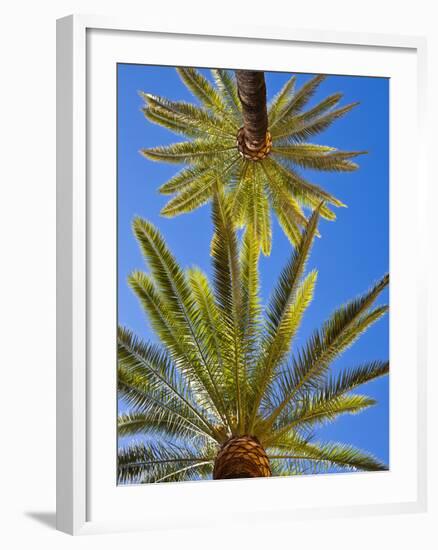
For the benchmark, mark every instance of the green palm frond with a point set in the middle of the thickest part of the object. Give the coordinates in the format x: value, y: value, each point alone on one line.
x: 312, y: 122
x: 310, y: 365
x: 227, y: 87
x: 184, y: 178
x: 319, y: 458
x: 202, y: 89
x: 255, y: 188
x: 157, y: 462
x: 197, y: 192
x: 320, y: 408
x: 309, y: 194
x: 192, y: 197
x: 190, y: 151
x: 290, y: 277
x: 289, y: 213
x: 350, y: 379
x: 228, y: 293
x: 288, y: 303
x: 280, y: 101
x: 197, y: 120
x: 251, y: 306
x: 158, y: 422
x: 317, y: 157
x: 148, y: 380
x: 333, y: 398
x: 297, y: 101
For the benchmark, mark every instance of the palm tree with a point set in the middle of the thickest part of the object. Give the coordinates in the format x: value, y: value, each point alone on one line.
x: 223, y: 395
x: 257, y: 149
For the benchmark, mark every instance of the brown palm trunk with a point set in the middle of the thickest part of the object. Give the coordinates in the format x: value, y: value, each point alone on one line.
x: 253, y: 138
x: 240, y: 457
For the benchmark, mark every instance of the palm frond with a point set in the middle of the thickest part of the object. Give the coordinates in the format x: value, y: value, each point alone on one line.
x: 290, y: 215
x: 306, y: 193
x: 191, y: 197
x: 338, y: 333
x: 158, y: 421
x: 166, y: 325
x: 185, y: 177
x: 349, y: 379
x: 298, y: 101
x: 197, y: 120
x: 157, y: 462
x: 289, y: 278
x: 280, y: 101
x: 175, y: 293
x: 332, y: 455
x: 189, y: 151
x: 213, y: 338
x: 146, y: 375
x: 257, y: 210
x: 317, y: 157
x: 228, y: 88
x: 202, y: 89
x: 319, y: 408
x: 284, y: 312
x: 312, y: 122
x: 228, y: 293
x: 251, y: 307
x: 198, y: 191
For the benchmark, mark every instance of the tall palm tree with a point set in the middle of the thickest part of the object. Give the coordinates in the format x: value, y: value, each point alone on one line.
x: 223, y: 395
x: 257, y: 149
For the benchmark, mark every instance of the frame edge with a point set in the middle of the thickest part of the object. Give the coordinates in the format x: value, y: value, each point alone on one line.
x: 70, y: 277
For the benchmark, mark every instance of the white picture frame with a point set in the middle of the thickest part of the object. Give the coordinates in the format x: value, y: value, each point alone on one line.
x: 81, y: 487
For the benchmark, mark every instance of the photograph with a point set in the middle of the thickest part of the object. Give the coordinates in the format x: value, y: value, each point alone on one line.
x: 252, y: 274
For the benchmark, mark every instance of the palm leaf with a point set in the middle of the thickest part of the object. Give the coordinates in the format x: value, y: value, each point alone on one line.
x: 157, y: 421
x: 337, y: 334
x: 280, y: 101
x: 308, y: 193
x: 309, y: 124
x: 147, y: 375
x: 157, y: 462
x: 330, y: 455
x: 224, y: 251
x: 228, y: 88
x: 197, y: 119
x: 319, y: 408
x: 317, y: 157
x: 251, y: 307
x: 202, y: 89
x: 189, y: 151
x: 191, y: 197
x: 298, y: 101
x: 289, y: 214
x: 175, y: 291
x: 284, y: 313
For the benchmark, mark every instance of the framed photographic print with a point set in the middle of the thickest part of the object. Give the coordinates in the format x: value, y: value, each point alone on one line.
x: 240, y: 291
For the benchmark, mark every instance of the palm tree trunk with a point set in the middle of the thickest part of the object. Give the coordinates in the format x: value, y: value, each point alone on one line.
x: 240, y: 457
x: 254, y: 137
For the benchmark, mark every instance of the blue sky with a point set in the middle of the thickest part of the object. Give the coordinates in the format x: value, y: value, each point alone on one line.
x: 350, y: 256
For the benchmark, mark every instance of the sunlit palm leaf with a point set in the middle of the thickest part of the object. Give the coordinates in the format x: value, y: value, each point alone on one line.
x: 157, y: 462
x: 227, y: 86
x: 319, y: 458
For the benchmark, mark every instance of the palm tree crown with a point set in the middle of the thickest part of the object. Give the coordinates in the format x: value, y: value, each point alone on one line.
x: 256, y: 179
x: 224, y: 377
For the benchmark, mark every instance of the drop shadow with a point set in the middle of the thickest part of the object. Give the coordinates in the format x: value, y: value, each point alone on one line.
x: 45, y: 518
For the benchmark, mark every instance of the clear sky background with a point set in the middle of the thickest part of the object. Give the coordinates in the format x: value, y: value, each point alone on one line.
x: 350, y: 256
